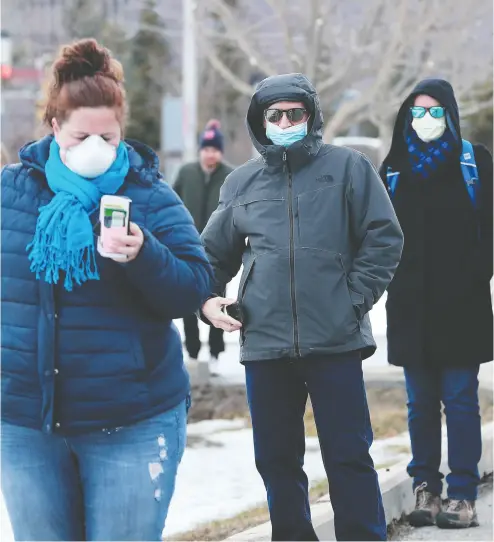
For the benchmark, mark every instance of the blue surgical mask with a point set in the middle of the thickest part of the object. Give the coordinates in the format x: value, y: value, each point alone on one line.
x: 288, y: 136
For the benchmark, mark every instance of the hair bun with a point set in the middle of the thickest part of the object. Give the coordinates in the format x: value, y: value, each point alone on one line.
x: 85, y: 58
x: 213, y: 124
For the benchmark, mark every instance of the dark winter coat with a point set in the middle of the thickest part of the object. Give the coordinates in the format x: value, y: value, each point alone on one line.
x: 106, y: 354
x: 316, y: 233
x: 200, y: 191
x: 439, y: 302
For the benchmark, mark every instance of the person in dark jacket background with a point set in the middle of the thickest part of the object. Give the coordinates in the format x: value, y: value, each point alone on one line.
x: 94, y: 389
x: 198, y: 184
x: 323, y: 244
x: 440, y: 323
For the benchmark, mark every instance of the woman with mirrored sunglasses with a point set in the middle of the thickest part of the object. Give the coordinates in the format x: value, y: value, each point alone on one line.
x: 439, y: 311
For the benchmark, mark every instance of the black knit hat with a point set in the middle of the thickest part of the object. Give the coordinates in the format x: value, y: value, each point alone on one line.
x: 212, y: 136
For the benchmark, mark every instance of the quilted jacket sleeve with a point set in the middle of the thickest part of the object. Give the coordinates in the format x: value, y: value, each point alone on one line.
x: 172, y: 271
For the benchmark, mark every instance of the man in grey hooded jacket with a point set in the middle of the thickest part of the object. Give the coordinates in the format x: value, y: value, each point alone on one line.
x: 318, y: 238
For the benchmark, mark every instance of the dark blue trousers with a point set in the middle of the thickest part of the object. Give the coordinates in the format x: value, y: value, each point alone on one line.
x: 277, y: 392
x: 458, y: 390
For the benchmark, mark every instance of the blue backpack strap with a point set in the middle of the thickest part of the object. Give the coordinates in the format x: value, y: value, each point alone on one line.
x: 392, y: 180
x: 470, y: 174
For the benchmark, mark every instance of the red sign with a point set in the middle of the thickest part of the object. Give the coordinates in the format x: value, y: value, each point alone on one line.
x: 10, y: 72
x: 6, y: 71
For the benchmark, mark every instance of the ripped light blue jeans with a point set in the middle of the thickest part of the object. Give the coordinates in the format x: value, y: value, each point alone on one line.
x: 106, y: 485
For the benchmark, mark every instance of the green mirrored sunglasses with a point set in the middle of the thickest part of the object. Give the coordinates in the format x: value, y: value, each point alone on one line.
x: 436, y: 112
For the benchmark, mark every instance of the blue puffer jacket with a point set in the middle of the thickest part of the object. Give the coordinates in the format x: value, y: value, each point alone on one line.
x: 107, y: 354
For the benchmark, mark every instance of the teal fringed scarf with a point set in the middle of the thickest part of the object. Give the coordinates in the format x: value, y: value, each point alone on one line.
x: 64, y: 239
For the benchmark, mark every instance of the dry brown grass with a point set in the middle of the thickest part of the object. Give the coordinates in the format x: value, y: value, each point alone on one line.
x: 388, y: 410
x: 221, y: 529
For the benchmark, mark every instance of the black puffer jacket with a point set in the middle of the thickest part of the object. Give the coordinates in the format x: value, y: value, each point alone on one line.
x: 439, y: 303
x: 316, y: 232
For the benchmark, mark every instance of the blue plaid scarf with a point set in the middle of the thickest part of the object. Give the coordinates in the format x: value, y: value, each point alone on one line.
x: 427, y: 158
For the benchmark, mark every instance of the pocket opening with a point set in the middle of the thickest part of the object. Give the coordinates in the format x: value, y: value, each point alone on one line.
x: 241, y: 294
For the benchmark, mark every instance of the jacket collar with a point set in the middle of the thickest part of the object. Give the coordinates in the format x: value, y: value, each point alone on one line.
x: 296, y: 155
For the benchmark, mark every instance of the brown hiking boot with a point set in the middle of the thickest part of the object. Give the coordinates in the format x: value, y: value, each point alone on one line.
x: 458, y: 515
x: 427, y: 507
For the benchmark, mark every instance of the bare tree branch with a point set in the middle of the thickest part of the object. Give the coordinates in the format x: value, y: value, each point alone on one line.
x: 227, y: 74
x: 316, y: 25
x: 278, y: 10
x: 233, y: 28
x: 475, y: 107
x: 392, y: 53
x: 382, y: 50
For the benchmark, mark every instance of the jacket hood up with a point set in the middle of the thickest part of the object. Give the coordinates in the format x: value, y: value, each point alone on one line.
x: 289, y: 87
x: 438, y: 89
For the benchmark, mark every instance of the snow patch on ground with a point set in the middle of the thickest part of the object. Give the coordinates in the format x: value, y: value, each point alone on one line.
x: 218, y: 479
x: 221, y: 481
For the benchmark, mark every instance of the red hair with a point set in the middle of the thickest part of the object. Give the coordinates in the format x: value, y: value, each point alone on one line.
x: 85, y: 75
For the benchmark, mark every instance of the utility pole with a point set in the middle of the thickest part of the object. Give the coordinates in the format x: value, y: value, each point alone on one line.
x: 189, y: 80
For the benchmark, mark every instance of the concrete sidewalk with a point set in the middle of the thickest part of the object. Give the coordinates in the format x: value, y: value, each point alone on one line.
x: 484, y: 532
x: 398, y: 499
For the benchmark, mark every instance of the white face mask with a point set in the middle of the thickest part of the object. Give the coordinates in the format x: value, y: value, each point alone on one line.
x: 91, y: 158
x: 428, y: 128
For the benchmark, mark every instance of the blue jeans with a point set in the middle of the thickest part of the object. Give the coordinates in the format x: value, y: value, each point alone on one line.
x: 277, y: 392
x: 457, y: 388
x: 108, y: 485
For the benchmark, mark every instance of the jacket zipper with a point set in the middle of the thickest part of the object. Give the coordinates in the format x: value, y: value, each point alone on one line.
x: 292, y: 258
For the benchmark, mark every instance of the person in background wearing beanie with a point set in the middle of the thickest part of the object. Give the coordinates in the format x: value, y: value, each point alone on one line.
x: 439, y: 307
x: 198, y: 184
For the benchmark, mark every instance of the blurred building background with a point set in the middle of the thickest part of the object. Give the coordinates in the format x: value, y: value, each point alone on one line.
x: 364, y: 56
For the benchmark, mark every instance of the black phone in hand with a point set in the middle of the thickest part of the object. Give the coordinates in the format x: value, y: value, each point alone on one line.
x: 235, y: 311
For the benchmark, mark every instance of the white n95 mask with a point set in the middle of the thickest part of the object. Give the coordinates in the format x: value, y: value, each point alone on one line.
x: 428, y: 128
x: 91, y: 158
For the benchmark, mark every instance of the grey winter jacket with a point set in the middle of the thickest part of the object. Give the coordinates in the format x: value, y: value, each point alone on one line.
x: 316, y: 233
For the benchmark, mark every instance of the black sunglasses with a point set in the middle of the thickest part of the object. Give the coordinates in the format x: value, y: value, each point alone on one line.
x: 295, y: 115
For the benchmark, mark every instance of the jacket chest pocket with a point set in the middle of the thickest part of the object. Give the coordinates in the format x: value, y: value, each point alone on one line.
x: 264, y: 222
x: 321, y: 217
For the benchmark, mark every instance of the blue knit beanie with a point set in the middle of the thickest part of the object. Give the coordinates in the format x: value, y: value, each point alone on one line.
x: 212, y: 136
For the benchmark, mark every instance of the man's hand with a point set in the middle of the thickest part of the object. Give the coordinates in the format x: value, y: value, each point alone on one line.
x: 213, y: 311
x: 127, y: 245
